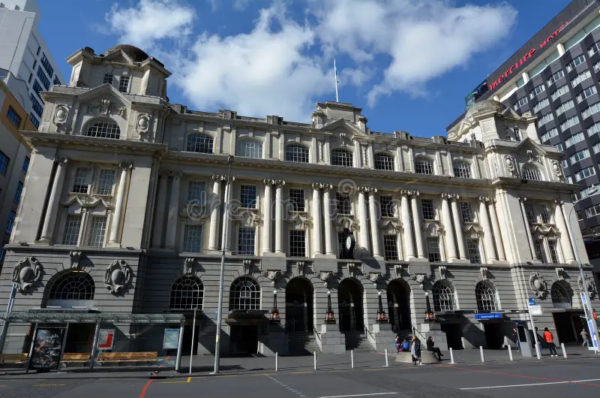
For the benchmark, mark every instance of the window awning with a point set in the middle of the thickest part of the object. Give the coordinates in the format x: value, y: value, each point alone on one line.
x: 90, y: 317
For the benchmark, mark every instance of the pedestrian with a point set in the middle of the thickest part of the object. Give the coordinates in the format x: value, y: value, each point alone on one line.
x: 431, y: 347
x: 415, y: 351
x: 539, y: 339
x: 550, y: 341
x: 515, y: 333
x: 397, y: 344
x: 584, y: 336
x: 406, y: 345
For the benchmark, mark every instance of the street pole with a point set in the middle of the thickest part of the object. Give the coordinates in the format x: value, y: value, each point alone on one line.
x: 222, y: 274
x: 193, y: 338
x: 9, y: 307
x: 584, y: 290
x: 537, y: 344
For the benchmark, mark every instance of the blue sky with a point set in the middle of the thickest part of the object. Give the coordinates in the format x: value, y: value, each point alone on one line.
x: 408, y: 63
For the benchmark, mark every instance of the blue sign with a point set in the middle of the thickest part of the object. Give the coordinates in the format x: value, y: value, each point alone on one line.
x: 493, y: 315
x: 531, y: 301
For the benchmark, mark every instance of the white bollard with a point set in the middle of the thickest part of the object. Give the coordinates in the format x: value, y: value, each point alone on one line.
x: 352, y: 358
x: 276, y: 362
x: 387, y: 360
x: 315, y: 360
x: 537, y: 351
x: 564, y: 350
x: 481, y: 351
x: 510, y: 353
x: 451, y: 357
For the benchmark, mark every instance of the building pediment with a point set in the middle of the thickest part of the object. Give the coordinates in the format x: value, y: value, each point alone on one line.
x: 529, y: 144
x: 342, y: 126
x: 119, y: 56
x: 104, y: 91
x: 105, y: 103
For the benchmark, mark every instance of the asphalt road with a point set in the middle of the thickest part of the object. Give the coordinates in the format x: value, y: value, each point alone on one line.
x: 552, y: 377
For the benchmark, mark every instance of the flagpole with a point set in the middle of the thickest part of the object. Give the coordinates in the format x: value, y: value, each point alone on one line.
x: 337, y: 98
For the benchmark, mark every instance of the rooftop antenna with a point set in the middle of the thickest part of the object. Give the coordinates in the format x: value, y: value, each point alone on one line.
x: 337, y: 98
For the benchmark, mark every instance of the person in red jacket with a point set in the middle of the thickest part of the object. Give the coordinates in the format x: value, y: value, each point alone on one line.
x: 550, y: 341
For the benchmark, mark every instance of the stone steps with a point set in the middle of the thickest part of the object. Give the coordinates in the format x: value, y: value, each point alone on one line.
x: 302, y: 343
x: 358, y: 342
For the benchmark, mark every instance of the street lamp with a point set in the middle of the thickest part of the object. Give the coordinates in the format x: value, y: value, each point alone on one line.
x: 275, y: 311
x: 593, y: 189
x: 381, y: 316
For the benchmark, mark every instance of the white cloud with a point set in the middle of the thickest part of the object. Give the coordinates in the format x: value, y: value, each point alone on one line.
x: 150, y: 21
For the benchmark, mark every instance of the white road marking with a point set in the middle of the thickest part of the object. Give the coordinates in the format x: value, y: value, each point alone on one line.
x: 529, y: 385
x: 361, y: 395
x: 287, y: 387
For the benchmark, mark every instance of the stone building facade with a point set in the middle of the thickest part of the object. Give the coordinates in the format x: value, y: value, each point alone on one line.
x: 331, y: 229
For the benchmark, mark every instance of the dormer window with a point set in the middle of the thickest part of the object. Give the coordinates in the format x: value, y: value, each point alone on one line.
x: 531, y: 172
x: 341, y: 157
x: 423, y: 165
x: 124, y: 84
x: 200, y: 143
x: 462, y: 169
x: 108, y: 79
x: 383, y: 161
x: 104, y: 129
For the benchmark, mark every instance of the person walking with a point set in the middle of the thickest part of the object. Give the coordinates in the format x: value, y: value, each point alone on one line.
x: 431, y: 347
x: 397, y: 344
x: 584, y: 336
x: 415, y: 351
x: 550, y: 341
x: 515, y: 333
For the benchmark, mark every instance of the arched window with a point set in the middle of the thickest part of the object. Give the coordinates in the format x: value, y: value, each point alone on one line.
x: 531, y: 172
x: 201, y: 143
x: 486, y: 296
x: 251, y: 149
x: 341, y: 157
x: 104, y: 129
x: 562, y: 295
x: 462, y: 169
x: 383, y: 161
x: 72, y: 286
x: 296, y: 153
x: 443, y: 296
x: 244, y: 294
x: 187, y: 293
x: 423, y: 165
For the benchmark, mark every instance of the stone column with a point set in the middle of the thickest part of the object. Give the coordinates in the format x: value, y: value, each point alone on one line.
x: 215, y: 206
x: 363, y: 222
x: 458, y: 228
x: 279, y: 217
x: 54, y: 201
x: 565, y: 242
x: 115, y: 227
x: 227, y: 215
x: 522, y: 200
x: 316, y: 216
x: 496, y: 229
x: 488, y: 238
x: 447, y: 219
x: 267, y: 214
x: 409, y: 243
x: 418, y: 225
x: 173, y: 214
x: 161, y: 204
x: 328, y: 219
x: 374, y: 224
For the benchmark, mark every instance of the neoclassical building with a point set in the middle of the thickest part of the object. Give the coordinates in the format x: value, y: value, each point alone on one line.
x: 335, y: 236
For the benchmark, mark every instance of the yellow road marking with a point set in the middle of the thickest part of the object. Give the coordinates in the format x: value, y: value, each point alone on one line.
x: 373, y: 370
x: 263, y: 374
x: 301, y: 373
x: 335, y: 371
x: 177, y: 382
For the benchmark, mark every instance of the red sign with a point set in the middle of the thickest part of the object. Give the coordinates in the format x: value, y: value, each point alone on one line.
x: 523, y: 60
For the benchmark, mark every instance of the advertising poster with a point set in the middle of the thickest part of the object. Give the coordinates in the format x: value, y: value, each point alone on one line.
x: 171, y: 339
x: 106, y: 339
x: 47, y: 348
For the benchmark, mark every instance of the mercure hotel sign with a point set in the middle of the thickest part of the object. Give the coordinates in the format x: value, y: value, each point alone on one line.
x: 525, y: 58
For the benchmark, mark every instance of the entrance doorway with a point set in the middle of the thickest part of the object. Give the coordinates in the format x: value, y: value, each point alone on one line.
x: 299, y: 306
x: 80, y: 337
x: 453, y: 335
x: 398, y: 295
x: 244, y: 340
x: 568, y: 326
x: 494, y: 335
x: 350, y: 301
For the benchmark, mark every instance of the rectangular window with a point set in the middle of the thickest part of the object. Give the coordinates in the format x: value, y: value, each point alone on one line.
x: 553, y: 251
x: 246, y: 238
x: 588, y: 171
x: 108, y: 79
x: 539, y: 250
x: 596, y: 148
x: 82, y: 180
x: 97, y: 231
x: 196, y: 192
x: 72, y: 228
x: 124, y: 84
x: 574, y: 139
x: 47, y: 65
x: 297, y: 199
x: 13, y: 116
x: 248, y: 196
x: 545, y: 214
x: 106, y: 182
x: 520, y: 103
x: 565, y: 107
x: 30, y: 77
x: 34, y: 120
x: 427, y: 209
x: 26, y: 164
x: 536, y: 90
x: 579, y: 156
x: 530, y: 212
x: 433, y: 249
x: 43, y: 78
x: 466, y: 211
x: 559, y: 147
x: 597, y: 66
x: 549, y: 134
x: 594, y: 129
x: 588, y: 92
x: 56, y: 81
x: 565, y: 163
x: 390, y: 247
x: 541, y: 105
x: 591, y: 110
x: 556, y: 77
x: 387, y: 206
x: 569, y: 123
x: 580, y: 78
x: 547, y: 118
x: 37, y: 88
x: 19, y: 192
x: 297, y: 243
x: 473, y: 249
x: 560, y: 92
x: 192, y: 239
x: 38, y: 108
x: 11, y: 222
x: 594, y: 49
x: 343, y: 203
x: 584, y: 193
x: 3, y: 163
x: 577, y: 61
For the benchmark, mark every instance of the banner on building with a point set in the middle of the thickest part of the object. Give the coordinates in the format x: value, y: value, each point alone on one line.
x: 171, y: 339
x: 106, y: 339
x: 47, y: 347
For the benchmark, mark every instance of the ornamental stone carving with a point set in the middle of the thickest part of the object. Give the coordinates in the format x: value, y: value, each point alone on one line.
x: 509, y: 164
x: 143, y: 123
x: 26, y: 273
x: 273, y: 275
x: 538, y: 284
x: 484, y: 273
x: 325, y: 276
x: 75, y: 259
x: 188, y: 266
x: 420, y: 279
x: 590, y: 285
x: 558, y: 171
x: 374, y: 277
x: 118, y: 275
x: 61, y: 115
